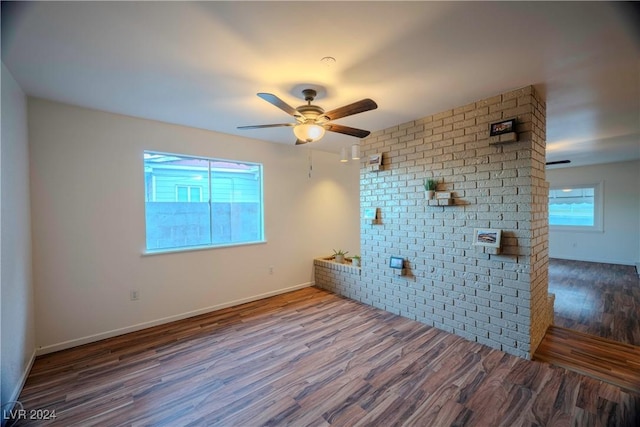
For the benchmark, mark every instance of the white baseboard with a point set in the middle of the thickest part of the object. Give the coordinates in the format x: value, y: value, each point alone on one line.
x: 18, y: 388
x: 600, y: 260
x: 133, y: 328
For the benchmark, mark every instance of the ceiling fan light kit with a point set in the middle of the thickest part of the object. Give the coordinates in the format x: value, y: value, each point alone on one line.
x: 312, y: 121
x: 308, y: 132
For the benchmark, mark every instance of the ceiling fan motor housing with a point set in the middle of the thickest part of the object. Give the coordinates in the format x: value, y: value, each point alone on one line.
x: 309, y: 94
x: 310, y: 112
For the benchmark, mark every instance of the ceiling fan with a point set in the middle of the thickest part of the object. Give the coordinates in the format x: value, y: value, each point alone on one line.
x: 312, y: 121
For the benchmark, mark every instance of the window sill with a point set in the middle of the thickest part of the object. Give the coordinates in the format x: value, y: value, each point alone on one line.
x: 564, y: 228
x: 199, y: 248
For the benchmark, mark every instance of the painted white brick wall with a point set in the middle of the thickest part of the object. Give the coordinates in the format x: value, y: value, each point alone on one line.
x: 498, y: 300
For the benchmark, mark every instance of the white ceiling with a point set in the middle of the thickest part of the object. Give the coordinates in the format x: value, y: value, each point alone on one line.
x: 201, y: 64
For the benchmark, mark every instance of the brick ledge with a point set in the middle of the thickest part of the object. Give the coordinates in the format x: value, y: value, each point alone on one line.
x: 328, y: 263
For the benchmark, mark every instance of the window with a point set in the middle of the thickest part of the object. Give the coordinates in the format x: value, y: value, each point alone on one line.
x: 187, y: 193
x: 577, y: 207
x: 195, y: 202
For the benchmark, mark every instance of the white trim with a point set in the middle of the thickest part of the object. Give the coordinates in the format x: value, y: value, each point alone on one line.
x: 574, y: 229
x: 215, y: 159
x: 23, y: 379
x: 199, y: 248
x: 133, y: 328
x: 599, y: 260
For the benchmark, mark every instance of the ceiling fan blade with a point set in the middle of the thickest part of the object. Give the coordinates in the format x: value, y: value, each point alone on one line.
x: 266, y: 126
x: 359, y: 133
x: 558, y: 162
x: 272, y: 99
x: 348, y: 110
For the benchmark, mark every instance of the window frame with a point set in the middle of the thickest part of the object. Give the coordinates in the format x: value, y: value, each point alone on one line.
x: 598, y: 208
x: 205, y: 199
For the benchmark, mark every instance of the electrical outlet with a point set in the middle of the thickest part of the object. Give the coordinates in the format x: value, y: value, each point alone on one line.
x: 134, y: 295
x: 271, y: 269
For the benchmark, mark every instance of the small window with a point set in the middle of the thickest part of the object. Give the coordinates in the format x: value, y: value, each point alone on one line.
x: 576, y: 207
x: 186, y: 193
x: 194, y: 202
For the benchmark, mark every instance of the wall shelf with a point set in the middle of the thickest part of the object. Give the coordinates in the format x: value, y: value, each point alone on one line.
x: 505, y: 138
x: 442, y: 198
x: 441, y: 202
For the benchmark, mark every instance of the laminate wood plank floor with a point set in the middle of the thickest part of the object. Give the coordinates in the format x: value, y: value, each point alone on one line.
x: 311, y: 358
x: 611, y: 361
x: 597, y: 299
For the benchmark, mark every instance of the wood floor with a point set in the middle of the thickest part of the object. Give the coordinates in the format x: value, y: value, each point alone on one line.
x: 610, y: 361
x: 597, y: 299
x: 311, y: 358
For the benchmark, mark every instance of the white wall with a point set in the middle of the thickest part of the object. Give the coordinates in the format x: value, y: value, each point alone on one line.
x: 619, y: 243
x: 17, y: 312
x: 88, y: 223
